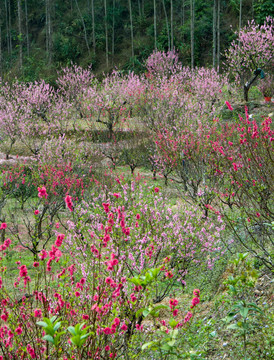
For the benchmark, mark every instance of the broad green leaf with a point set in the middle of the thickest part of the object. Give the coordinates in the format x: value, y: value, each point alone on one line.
x: 234, y: 327
x: 71, y: 330
x: 75, y: 340
x: 135, y: 281
x: 171, y: 343
x: 139, y: 312
x: 42, y: 323
x: 244, y: 311
x: 57, y: 326
x: 146, y: 312
x: 48, y: 338
x: 53, y: 319
x: 147, y: 345
x: 165, y: 347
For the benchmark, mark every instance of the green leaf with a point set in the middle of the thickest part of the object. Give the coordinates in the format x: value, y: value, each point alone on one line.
x: 171, y: 343
x: 148, y: 345
x: 234, y: 327
x: 48, y: 338
x: 57, y: 326
x: 71, y: 330
x: 139, y: 312
x: 135, y: 281
x: 146, y: 312
x: 42, y: 323
x: 244, y: 311
x: 165, y: 347
x: 49, y: 323
x: 174, y: 333
x: 173, y: 323
x: 57, y: 337
x: 53, y: 319
x: 81, y: 326
x: 75, y: 340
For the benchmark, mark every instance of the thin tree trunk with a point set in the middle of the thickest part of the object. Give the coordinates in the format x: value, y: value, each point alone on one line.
x: 167, y: 25
x: 240, y: 15
x: 27, y: 26
x: 1, y: 50
x: 182, y: 17
x: 7, y: 26
x: 20, y: 35
x: 131, y: 28
x: 139, y: 8
x: 84, y: 26
x: 155, y: 24
x: 218, y: 33
x: 214, y: 25
x: 106, y: 31
x: 48, y: 31
x: 113, y: 30
x: 192, y: 13
x: 93, y: 26
x: 10, y: 39
x: 171, y: 24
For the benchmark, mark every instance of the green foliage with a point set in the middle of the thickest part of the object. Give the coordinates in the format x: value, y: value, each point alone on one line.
x: 80, y: 334
x: 51, y: 327
x: 263, y: 8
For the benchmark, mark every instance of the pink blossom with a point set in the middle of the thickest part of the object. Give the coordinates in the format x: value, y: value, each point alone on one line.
x: 195, y: 301
x: 59, y: 240
x: 18, y: 330
x: 124, y: 327
x: 196, y: 292
x: 43, y: 255
x: 38, y: 313
x: 3, y: 226
x: 42, y: 192
x: 228, y: 105
x: 175, y: 312
x: 69, y: 203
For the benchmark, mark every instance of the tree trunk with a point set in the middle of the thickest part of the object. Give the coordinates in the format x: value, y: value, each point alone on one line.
x: 10, y: 29
x: 106, y: 31
x: 84, y: 26
x: 1, y: 50
x: 214, y: 26
x: 7, y: 27
x: 93, y: 27
x: 20, y: 35
x: 113, y: 30
x: 218, y: 33
x: 192, y: 13
x: 131, y: 28
x: 167, y: 25
x: 182, y: 17
x: 240, y: 14
x: 171, y: 24
x: 48, y: 31
x: 27, y: 26
x: 139, y: 8
x: 155, y: 25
